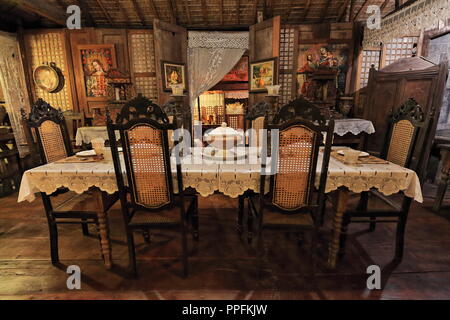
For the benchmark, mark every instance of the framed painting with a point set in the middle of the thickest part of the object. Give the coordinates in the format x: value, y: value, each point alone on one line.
x: 96, y: 61
x: 173, y: 73
x: 322, y: 57
x: 239, y: 73
x: 263, y: 73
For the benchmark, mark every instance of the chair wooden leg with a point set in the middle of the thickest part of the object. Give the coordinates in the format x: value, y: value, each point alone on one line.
x: 195, y: 222
x: 372, y: 224
x: 184, y: 250
x: 259, y: 253
x: 249, y: 226
x: 146, y: 235
x: 343, y: 237
x: 400, y: 238
x: 363, y: 201
x: 54, y: 243
x: 314, y: 237
x: 85, y: 227
x: 239, y: 226
x: 131, y: 253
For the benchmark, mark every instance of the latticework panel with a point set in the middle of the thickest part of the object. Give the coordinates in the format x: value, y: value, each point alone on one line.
x: 235, y: 121
x: 400, y: 48
x: 142, y: 55
x: 52, y: 141
x: 369, y: 58
x: 287, y: 61
x: 146, y: 86
x: 146, y: 155
x: 44, y: 48
x: 296, y: 149
x: 401, y: 139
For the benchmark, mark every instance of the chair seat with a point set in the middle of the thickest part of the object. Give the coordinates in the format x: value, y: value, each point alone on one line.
x: 163, y: 217
x: 273, y: 218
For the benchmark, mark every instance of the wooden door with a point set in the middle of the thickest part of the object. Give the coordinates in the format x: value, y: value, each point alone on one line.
x: 264, y: 44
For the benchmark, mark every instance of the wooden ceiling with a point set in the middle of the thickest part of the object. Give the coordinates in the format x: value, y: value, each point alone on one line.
x: 193, y: 14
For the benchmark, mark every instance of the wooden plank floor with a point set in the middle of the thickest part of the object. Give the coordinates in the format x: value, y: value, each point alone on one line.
x: 221, y: 264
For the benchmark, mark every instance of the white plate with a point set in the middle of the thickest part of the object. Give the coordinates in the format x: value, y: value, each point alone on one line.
x: 87, y: 153
x: 361, y: 154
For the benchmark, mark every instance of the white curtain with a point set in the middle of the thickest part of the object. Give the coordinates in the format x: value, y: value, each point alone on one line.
x: 211, y: 55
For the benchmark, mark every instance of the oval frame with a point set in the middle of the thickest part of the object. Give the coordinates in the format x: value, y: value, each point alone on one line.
x: 53, y: 72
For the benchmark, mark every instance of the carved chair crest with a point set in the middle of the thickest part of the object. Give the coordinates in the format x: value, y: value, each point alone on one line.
x: 300, y: 108
x: 40, y: 111
x: 140, y: 107
x: 259, y: 110
x: 409, y: 110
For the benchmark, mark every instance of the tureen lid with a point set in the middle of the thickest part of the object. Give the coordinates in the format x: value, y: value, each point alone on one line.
x: 223, y: 130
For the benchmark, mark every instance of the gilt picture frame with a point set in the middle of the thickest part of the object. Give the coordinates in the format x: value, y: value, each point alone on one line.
x: 263, y: 73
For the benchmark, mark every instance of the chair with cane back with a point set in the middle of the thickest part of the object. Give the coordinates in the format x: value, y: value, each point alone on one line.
x: 293, y: 202
x: 150, y: 200
x: 401, y: 140
x: 54, y: 144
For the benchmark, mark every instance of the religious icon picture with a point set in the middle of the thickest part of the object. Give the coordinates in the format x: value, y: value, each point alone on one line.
x: 96, y: 60
x: 262, y: 74
x: 173, y: 73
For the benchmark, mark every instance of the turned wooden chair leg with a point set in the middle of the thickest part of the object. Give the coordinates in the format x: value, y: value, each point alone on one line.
x: 239, y: 226
x: 343, y: 237
x: 54, y: 243
x: 400, y: 238
x: 131, y: 253
x: 85, y: 227
x: 195, y: 222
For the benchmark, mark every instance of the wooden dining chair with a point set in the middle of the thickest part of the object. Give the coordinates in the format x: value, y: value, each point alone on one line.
x: 54, y: 144
x: 293, y: 202
x: 150, y: 199
x: 405, y: 123
x: 74, y: 121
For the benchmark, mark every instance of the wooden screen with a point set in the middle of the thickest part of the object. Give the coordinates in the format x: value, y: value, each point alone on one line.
x: 145, y: 148
x: 399, y: 48
x: 288, y: 63
x: 44, y: 48
x: 369, y: 58
x: 52, y: 141
x: 142, y: 56
x: 296, y: 150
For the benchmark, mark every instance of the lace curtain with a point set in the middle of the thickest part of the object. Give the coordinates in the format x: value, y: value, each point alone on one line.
x: 421, y: 15
x: 13, y: 84
x: 211, y: 55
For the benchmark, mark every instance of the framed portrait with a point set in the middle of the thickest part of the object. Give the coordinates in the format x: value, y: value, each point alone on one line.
x: 173, y: 73
x: 263, y: 73
x: 96, y: 61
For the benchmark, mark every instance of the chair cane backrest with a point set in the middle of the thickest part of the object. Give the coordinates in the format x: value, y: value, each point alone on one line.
x: 257, y: 116
x: 51, y: 131
x: 143, y: 128
x: 405, y: 123
x: 294, y: 155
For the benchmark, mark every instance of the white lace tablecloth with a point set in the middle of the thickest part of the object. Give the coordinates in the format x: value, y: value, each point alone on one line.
x: 86, y: 134
x: 353, y: 126
x: 230, y: 179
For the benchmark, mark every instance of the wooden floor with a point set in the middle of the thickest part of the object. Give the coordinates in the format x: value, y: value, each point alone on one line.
x: 221, y: 264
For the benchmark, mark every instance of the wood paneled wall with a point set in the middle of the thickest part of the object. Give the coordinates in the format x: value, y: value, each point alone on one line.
x: 134, y: 52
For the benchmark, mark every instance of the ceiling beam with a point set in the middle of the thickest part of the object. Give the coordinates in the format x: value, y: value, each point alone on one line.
x: 221, y: 11
x: 105, y: 13
x: 155, y: 11
x: 124, y: 13
x: 138, y: 10
x: 343, y: 10
x: 325, y: 10
x: 238, y: 11
x: 86, y: 13
x: 306, y: 10
x: 204, y: 12
x: 44, y: 9
x: 188, y: 12
x: 360, y: 10
x: 255, y: 11
x: 173, y: 17
x: 385, y: 3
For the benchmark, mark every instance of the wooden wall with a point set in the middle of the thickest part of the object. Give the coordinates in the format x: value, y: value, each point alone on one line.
x: 134, y: 52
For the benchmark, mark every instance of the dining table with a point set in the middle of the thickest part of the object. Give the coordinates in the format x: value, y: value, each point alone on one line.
x: 231, y: 178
